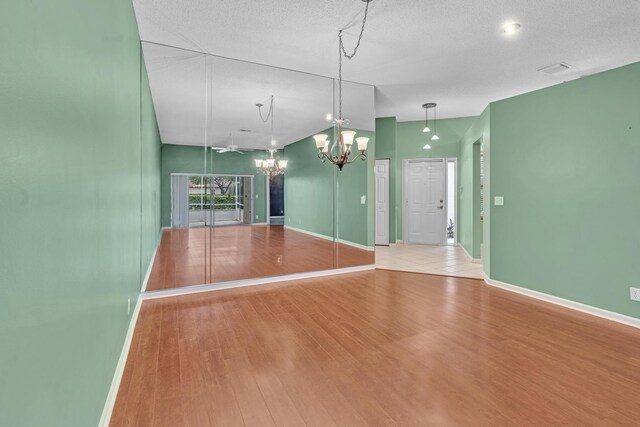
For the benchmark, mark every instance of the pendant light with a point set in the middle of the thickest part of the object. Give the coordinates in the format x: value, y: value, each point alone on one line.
x: 426, y: 118
x: 426, y: 129
x: 435, y: 136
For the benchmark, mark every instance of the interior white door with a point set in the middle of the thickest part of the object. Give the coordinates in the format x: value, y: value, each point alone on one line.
x: 382, y: 201
x: 424, y: 201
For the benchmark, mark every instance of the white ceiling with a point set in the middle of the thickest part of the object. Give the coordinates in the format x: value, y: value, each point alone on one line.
x: 180, y: 81
x: 452, y: 52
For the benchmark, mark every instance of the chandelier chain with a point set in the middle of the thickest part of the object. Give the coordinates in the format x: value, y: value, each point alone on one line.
x: 265, y: 119
x: 342, y: 51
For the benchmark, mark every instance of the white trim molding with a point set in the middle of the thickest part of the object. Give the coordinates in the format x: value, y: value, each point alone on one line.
x: 472, y: 259
x: 310, y: 233
x: 573, y: 305
x: 356, y: 245
x: 107, y: 411
x: 149, y: 268
x: 322, y: 236
x: 187, y: 290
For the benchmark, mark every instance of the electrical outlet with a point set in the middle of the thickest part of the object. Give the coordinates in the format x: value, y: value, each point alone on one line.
x: 128, y: 306
x: 634, y: 293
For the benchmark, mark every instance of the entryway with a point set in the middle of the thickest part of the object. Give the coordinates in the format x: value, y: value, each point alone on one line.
x: 429, y: 193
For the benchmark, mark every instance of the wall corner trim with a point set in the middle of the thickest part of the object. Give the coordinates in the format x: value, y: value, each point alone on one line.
x: 573, y: 305
x: 472, y: 259
x: 109, y: 404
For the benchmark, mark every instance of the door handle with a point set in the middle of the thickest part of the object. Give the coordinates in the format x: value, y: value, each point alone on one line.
x: 440, y: 207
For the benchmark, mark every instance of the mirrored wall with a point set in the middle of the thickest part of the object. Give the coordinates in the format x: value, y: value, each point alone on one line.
x: 245, y: 193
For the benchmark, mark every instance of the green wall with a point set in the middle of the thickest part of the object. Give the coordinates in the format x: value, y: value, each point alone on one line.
x: 190, y: 159
x: 566, y: 159
x: 309, y: 188
x: 313, y: 188
x: 409, y: 145
x: 355, y: 220
x: 74, y: 130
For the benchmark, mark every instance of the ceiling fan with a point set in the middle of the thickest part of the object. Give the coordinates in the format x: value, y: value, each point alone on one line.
x: 231, y: 149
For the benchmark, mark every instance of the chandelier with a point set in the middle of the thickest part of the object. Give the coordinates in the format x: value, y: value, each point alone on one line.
x: 340, y: 153
x: 271, y: 166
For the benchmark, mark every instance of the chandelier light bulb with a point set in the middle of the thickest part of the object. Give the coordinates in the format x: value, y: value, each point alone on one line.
x: 321, y: 140
x: 363, y: 141
x: 283, y: 163
x: 347, y: 137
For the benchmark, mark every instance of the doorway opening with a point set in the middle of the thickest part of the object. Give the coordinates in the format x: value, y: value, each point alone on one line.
x: 210, y: 200
x: 275, y: 199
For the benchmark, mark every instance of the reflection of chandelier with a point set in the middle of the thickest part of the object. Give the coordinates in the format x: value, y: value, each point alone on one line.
x: 271, y: 166
x: 341, y: 151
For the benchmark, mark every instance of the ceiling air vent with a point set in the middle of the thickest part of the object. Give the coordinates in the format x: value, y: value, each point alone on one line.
x: 555, y: 68
x: 245, y: 130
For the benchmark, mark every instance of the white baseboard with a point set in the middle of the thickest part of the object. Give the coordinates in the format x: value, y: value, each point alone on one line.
x: 122, y: 361
x: 399, y: 242
x: 472, y: 259
x: 594, y: 311
x: 310, y: 233
x: 356, y: 245
x: 149, y: 268
x: 187, y: 290
x: 322, y: 236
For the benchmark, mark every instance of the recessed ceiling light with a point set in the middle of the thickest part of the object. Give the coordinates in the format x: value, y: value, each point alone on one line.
x: 511, y: 28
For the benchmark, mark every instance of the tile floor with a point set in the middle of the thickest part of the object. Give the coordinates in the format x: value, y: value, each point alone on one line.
x: 445, y: 260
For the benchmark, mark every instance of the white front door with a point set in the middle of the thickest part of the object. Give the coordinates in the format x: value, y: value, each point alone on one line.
x: 424, y: 201
x: 382, y: 202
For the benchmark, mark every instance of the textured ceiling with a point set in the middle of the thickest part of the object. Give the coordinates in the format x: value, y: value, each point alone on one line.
x: 448, y: 51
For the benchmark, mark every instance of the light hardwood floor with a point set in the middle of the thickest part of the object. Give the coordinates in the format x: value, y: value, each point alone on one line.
x: 376, y: 348
x: 196, y: 256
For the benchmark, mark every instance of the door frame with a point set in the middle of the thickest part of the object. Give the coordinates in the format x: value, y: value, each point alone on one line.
x: 388, y: 161
x: 455, y: 198
x: 405, y: 222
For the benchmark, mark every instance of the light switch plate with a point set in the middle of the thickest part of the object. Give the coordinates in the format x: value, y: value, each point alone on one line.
x: 363, y: 200
x: 498, y: 201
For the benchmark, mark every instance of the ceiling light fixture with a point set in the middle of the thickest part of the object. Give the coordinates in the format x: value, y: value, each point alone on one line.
x: 511, y: 27
x: 271, y: 166
x: 435, y: 136
x: 339, y: 153
x: 426, y: 119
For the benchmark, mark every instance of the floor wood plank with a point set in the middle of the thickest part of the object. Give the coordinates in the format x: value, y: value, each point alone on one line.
x: 376, y: 348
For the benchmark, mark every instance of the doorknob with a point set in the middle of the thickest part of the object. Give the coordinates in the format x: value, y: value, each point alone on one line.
x: 440, y: 207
